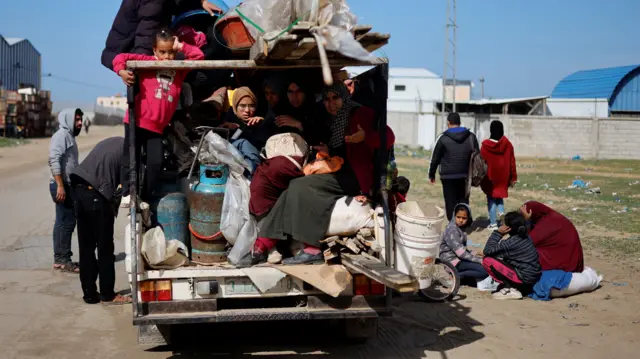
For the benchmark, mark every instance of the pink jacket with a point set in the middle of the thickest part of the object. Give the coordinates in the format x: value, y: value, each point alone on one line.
x: 159, y: 89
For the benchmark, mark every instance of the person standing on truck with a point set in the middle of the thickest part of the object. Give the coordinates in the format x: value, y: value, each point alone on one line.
x: 136, y: 23
x: 96, y: 196
x: 155, y: 104
x: 63, y: 158
x: 452, y: 154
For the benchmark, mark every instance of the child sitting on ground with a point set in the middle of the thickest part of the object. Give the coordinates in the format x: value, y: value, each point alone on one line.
x: 154, y: 105
x: 514, y: 261
x: 453, y: 249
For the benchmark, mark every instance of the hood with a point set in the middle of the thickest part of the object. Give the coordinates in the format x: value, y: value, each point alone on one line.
x: 66, y: 119
x: 497, y: 147
x: 458, y: 134
x: 455, y: 209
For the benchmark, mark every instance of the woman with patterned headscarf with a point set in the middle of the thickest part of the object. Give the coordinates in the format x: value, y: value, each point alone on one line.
x: 303, y: 211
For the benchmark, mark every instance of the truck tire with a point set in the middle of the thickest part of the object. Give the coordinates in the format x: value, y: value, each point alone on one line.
x: 360, y: 330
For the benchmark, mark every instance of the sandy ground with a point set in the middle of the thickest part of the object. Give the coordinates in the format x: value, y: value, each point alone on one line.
x: 43, y: 316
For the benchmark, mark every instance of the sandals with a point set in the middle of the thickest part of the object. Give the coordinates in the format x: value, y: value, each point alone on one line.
x: 118, y: 300
x: 69, y: 267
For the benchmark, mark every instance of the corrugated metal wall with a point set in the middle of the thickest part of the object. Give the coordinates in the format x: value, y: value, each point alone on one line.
x: 19, y: 63
x: 627, y: 96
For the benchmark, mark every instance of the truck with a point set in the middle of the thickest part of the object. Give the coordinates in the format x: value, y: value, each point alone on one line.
x: 196, y: 294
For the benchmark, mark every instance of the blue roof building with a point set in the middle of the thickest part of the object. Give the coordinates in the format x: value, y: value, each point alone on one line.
x: 619, y: 85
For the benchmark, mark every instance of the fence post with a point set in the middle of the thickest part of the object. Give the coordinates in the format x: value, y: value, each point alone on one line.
x: 595, y: 137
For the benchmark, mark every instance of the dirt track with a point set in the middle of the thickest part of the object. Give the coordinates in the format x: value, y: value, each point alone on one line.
x: 43, y: 315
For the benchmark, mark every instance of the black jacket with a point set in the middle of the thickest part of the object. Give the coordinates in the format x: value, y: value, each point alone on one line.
x: 101, y: 167
x: 452, y: 153
x: 136, y: 23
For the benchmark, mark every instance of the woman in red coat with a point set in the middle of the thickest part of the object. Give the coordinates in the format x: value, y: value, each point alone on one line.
x: 555, y: 237
x: 497, y: 151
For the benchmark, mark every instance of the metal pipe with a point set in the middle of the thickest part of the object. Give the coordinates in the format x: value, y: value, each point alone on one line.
x: 455, y: 45
x: 383, y: 88
x: 133, y: 195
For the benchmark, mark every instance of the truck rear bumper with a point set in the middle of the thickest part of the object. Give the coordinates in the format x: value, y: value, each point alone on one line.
x: 206, y: 311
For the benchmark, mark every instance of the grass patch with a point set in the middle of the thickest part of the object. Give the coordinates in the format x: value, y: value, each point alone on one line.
x: 613, y: 213
x: 12, y: 142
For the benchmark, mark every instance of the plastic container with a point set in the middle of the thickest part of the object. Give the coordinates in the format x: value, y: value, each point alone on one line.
x: 419, y: 221
x: 235, y: 33
x: 417, y: 239
x: 416, y: 256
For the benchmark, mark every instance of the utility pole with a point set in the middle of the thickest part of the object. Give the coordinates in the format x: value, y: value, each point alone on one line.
x: 451, y: 28
x: 481, y: 87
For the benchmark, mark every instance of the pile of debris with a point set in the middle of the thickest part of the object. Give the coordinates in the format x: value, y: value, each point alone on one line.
x: 362, y: 243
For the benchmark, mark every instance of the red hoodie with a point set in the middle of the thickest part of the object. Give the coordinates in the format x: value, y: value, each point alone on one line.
x: 159, y: 89
x: 501, y: 171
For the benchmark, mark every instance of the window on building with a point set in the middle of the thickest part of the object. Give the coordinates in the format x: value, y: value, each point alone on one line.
x: 400, y: 88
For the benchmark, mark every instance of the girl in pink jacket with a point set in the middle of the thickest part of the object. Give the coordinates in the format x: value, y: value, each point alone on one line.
x: 155, y: 104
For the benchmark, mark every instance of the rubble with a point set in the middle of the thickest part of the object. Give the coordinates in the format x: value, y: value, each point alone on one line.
x: 362, y: 242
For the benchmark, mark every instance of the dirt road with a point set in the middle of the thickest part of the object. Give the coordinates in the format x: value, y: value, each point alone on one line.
x: 43, y: 316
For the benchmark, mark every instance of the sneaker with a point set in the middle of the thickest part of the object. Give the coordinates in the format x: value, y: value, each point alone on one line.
x: 487, y: 285
x: 507, y: 294
x: 492, y: 227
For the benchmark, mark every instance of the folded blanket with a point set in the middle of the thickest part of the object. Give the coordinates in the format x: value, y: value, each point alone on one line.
x: 550, y: 279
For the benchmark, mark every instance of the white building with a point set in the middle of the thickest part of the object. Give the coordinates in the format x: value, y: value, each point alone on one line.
x: 411, y: 106
x: 118, y: 102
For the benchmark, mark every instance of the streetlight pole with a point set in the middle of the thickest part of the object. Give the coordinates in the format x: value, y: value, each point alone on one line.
x: 481, y: 87
x: 451, y: 34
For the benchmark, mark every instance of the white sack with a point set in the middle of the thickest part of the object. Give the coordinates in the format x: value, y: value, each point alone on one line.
x: 162, y: 254
x: 584, y: 282
x: 349, y: 216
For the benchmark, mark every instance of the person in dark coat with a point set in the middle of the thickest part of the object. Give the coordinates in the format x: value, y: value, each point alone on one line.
x: 137, y: 22
x: 96, y: 196
x: 497, y: 151
x: 452, y: 154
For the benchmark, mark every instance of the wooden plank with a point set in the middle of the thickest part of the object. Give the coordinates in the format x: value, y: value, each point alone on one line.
x: 360, y: 30
x: 247, y: 64
x: 378, y: 271
x: 281, y: 47
x: 304, y: 47
x: 375, y: 46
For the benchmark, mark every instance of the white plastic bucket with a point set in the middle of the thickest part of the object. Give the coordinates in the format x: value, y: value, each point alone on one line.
x: 420, y: 221
x: 415, y: 256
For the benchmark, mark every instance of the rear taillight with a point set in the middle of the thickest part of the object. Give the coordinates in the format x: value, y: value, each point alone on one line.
x: 155, y: 291
x: 365, y: 286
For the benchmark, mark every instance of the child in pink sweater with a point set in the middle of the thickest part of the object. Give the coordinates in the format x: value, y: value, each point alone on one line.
x: 155, y: 104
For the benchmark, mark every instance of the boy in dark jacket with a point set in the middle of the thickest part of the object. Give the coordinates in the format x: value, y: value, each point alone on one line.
x: 452, y: 154
x: 514, y: 261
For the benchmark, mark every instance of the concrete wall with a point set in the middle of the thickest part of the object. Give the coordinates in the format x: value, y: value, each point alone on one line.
x: 413, y: 129
x: 575, y: 107
x: 561, y: 137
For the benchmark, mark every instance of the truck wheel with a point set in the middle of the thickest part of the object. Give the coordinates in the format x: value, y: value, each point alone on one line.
x: 360, y: 330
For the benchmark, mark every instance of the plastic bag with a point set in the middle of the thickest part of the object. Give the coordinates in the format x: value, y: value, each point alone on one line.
x: 236, y: 224
x: 216, y: 149
x: 267, y: 17
x: 587, y: 281
x: 162, y: 254
x: 349, y: 216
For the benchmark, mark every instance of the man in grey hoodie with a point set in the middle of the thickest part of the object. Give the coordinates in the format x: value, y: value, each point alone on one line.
x: 63, y: 158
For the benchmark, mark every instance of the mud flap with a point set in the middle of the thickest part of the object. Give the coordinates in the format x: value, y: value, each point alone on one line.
x: 378, y: 271
x: 361, y: 329
x: 154, y: 335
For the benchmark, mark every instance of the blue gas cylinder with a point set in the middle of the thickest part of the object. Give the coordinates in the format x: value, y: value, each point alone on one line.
x: 205, y: 211
x: 173, y: 217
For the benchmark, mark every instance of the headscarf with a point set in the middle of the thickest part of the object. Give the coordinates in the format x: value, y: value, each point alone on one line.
x: 340, y: 121
x: 239, y: 94
x: 497, y: 130
x: 276, y: 84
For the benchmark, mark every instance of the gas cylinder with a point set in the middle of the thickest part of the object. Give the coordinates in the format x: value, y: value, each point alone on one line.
x: 205, y: 210
x: 173, y: 217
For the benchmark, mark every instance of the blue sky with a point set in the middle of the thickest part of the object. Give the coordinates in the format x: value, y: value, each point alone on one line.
x: 522, y: 48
